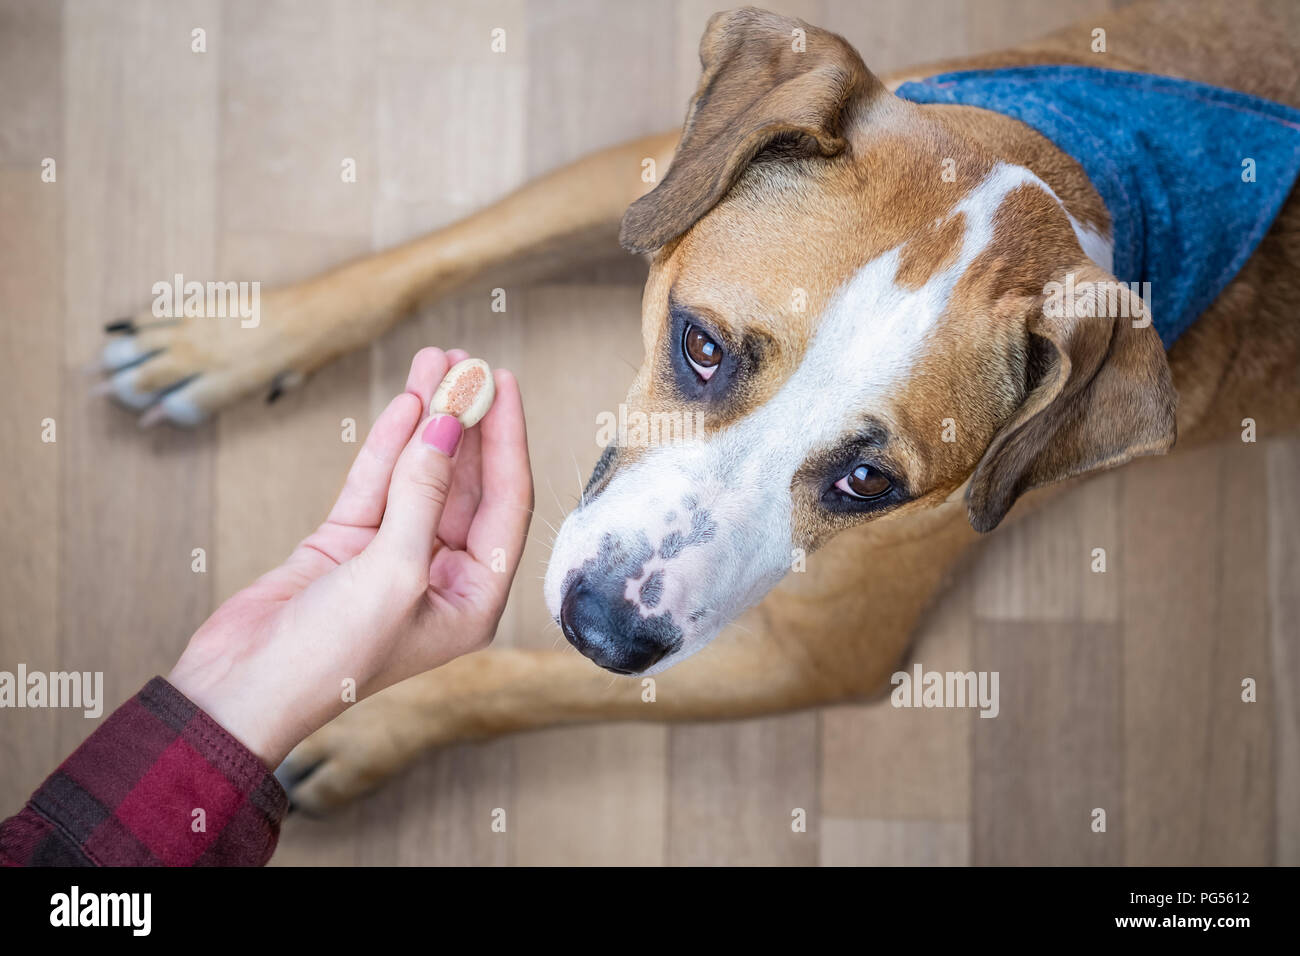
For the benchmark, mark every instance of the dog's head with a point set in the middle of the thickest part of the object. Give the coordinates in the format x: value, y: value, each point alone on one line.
x: 848, y: 319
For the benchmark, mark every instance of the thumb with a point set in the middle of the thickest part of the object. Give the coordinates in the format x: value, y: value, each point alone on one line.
x: 418, y: 492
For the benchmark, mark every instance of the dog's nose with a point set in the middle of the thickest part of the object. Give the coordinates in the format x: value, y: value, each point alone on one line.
x: 590, y: 622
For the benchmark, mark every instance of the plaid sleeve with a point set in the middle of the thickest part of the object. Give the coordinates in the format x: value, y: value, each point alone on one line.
x: 159, y: 783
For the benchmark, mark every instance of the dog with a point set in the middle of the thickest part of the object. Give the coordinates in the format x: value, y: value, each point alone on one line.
x: 848, y: 287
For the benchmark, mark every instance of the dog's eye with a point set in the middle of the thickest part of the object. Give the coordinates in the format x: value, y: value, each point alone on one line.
x: 704, y: 354
x: 865, y: 483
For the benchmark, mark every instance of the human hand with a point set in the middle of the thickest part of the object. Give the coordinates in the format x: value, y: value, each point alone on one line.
x: 410, y: 570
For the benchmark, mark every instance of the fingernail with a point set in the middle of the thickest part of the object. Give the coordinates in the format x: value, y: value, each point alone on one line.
x: 443, y: 433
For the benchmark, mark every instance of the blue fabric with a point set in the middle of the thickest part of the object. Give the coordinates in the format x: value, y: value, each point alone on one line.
x: 1166, y: 156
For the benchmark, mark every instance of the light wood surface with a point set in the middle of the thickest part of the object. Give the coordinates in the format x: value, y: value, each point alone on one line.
x: 1119, y: 690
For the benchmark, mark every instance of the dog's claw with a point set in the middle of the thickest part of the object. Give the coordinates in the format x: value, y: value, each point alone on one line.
x: 284, y: 382
x: 350, y: 756
x: 291, y: 771
x: 183, y: 369
x: 121, y: 353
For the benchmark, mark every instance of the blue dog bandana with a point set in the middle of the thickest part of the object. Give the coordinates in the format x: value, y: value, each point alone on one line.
x: 1192, y: 175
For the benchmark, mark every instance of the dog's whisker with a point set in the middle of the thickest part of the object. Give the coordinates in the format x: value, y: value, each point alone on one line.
x: 581, y: 486
x: 558, y: 503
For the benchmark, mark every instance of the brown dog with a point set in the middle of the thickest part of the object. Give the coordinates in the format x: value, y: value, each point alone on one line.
x: 932, y: 313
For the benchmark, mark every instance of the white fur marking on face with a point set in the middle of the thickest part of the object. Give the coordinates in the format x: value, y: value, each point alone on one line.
x: 866, y: 344
x: 1096, y: 246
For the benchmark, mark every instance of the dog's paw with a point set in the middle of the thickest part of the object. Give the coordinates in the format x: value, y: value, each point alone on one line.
x: 183, y: 370
x: 352, y: 755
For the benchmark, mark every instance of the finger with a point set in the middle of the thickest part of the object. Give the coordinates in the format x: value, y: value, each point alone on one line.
x: 427, y: 369
x: 506, y: 504
x: 418, y: 493
x: 366, y: 490
x: 451, y: 357
x: 465, y: 492
x: 361, y: 502
x: 463, y: 498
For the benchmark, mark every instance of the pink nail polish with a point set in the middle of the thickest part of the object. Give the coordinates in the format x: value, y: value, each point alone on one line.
x: 443, y: 433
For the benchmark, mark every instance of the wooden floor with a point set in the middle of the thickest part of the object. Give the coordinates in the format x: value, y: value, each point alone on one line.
x: 1120, y: 690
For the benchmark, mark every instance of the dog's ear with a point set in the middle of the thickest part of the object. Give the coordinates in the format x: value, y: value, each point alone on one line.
x: 1099, y: 394
x: 766, y: 79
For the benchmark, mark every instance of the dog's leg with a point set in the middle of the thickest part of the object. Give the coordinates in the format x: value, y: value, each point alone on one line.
x: 822, y: 636
x: 184, y: 369
x: 500, y: 691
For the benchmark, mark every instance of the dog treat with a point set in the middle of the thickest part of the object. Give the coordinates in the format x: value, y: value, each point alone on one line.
x: 466, y: 392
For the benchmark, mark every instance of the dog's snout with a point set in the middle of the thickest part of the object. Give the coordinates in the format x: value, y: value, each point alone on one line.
x: 598, y: 625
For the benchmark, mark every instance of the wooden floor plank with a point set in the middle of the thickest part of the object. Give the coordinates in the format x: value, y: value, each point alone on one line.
x: 31, y: 61
x: 1199, y: 761
x: 894, y: 843
x: 140, y: 130
x: 1054, y: 753
x: 591, y: 796
x: 31, y: 286
x: 1060, y: 565
x: 289, y: 122
x: 1238, y: 811
x: 734, y: 789
x: 445, y: 810
x: 883, y: 762
x: 598, y: 76
x: 1284, y: 606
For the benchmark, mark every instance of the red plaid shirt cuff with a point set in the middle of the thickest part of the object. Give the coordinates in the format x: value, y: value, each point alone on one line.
x: 159, y: 783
